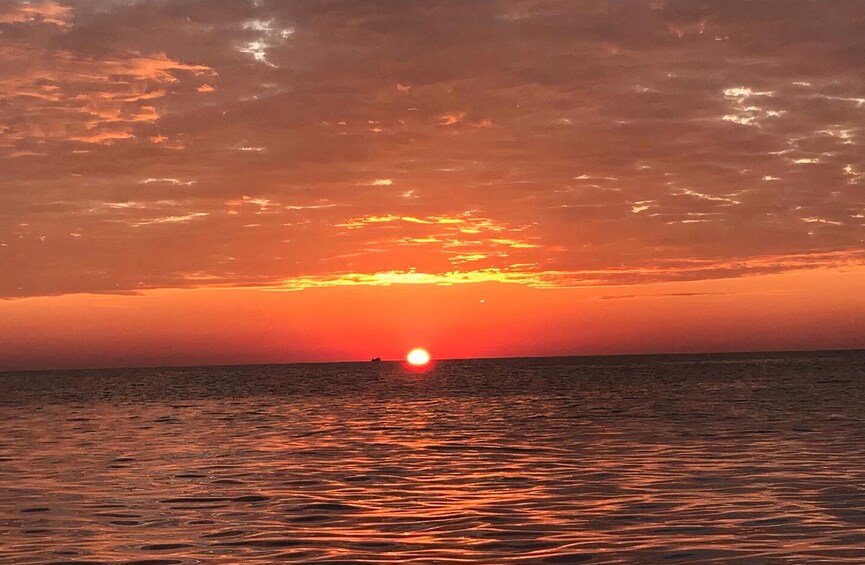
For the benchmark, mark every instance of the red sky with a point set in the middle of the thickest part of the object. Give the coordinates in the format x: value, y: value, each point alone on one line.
x: 231, y: 181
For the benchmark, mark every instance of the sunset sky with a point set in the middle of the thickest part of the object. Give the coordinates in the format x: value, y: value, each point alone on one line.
x: 222, y: 181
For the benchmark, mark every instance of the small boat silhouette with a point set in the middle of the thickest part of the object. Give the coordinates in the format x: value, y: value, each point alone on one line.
x: 375, y: 360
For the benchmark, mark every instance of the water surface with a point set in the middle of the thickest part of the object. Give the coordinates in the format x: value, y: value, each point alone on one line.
x: 726, y: 459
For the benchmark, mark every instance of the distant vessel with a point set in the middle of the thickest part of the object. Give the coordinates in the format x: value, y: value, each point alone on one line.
x: 375, y: 360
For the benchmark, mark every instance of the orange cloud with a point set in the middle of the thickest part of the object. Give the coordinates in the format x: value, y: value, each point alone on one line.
x: 450, y: 119
x: 67, y: 97
x: 360, y: 222
x: 44, y: 11
x: 676, y: 171
x: 529, y: 275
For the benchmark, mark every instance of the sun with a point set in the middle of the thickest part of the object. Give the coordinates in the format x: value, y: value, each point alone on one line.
x: 417, y: 357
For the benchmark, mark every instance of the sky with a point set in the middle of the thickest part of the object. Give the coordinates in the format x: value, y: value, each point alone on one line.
x: 265, y: 181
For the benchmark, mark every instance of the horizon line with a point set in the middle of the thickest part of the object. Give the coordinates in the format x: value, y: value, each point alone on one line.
x: 434, y: 360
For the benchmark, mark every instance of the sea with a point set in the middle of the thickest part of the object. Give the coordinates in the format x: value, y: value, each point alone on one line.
x: 734, y: 458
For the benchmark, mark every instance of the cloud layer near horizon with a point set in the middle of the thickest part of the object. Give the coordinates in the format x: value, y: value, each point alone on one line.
x: 293, y: 145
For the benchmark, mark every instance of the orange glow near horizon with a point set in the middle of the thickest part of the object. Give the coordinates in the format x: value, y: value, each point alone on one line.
x: 820, y: 309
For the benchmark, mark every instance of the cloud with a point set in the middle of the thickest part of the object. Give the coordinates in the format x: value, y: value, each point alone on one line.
x: 61, y: 96
x: 545, y: 144
x: 268, y: 37
x: 177, y: 182
x: 587, y: 278
x: 36, y: 11
x: 169, y: 219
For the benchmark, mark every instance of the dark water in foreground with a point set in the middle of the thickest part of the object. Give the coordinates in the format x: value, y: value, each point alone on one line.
x: 725, y: 459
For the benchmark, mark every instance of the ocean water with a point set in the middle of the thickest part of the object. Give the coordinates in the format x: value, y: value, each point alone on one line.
x: 668, y: 459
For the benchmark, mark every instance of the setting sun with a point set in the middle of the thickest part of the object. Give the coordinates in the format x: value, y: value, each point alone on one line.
x: 417, y: 357
x: 631, y: 231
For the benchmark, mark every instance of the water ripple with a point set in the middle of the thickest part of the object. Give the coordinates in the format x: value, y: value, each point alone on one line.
x: 738, y: 459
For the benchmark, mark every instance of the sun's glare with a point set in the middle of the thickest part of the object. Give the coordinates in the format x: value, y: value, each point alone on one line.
x: 417, y: 357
